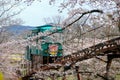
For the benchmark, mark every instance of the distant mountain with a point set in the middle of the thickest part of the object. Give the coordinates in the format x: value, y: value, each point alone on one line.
x: 17, y: 29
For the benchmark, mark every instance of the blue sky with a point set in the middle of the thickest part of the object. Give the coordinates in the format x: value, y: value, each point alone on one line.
x: 33, y: 15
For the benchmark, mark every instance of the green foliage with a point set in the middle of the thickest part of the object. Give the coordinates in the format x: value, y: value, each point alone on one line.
x: 117, y: 77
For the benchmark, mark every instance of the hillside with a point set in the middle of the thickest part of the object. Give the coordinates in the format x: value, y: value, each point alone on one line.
x: 18, y: 29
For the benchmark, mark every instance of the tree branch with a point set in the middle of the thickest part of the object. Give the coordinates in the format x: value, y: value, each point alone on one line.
x: 4, y: 11
x: 92, y: 11
x: 88, y: 12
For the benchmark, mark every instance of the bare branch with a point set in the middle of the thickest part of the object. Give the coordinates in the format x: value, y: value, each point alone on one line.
x: 4, y: 11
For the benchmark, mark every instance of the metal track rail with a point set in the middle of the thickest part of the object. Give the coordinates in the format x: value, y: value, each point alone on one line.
x: 104, y: 48
x: 96, y: 50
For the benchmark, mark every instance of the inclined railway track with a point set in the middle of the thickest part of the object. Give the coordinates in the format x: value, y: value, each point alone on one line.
x: 105, y: 48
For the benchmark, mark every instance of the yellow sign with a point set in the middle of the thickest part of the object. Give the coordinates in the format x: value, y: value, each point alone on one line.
x: 53, y: 52
x: 1, y: 76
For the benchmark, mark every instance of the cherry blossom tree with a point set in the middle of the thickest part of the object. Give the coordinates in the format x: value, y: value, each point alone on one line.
x: 9, y: 9
x: 81, y: 19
